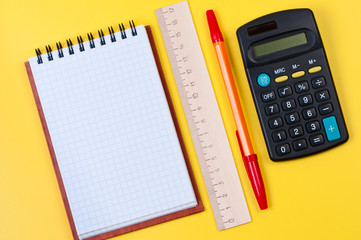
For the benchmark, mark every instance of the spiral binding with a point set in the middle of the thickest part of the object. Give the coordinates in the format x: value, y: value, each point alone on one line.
x: 80, y: 40
x: 60, y: 50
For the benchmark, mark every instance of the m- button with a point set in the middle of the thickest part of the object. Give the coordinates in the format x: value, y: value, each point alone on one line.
x: 298, y: 74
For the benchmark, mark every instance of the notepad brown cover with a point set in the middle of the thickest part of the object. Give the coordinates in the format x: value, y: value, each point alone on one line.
x: 182, y: 213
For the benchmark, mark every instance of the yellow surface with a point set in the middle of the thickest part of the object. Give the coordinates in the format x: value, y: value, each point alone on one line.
x: 318, y: 197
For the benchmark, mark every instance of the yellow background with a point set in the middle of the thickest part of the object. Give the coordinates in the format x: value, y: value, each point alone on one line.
x: 317, y: 197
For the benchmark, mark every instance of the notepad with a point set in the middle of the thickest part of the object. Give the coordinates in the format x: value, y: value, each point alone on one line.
x: 113, y: 136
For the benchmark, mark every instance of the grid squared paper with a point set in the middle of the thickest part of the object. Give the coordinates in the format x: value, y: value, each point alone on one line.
x: 113, y: 134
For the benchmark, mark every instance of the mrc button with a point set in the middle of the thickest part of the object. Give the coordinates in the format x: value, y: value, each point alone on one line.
x: 263, y: 80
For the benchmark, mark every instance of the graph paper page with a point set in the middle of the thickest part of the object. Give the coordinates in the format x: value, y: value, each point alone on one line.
x: 113, y: 134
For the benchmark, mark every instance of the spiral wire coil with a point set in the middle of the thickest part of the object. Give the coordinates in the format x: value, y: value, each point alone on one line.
x: 80, y: 41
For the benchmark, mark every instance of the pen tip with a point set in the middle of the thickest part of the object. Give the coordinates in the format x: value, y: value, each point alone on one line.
x: 263, y: 205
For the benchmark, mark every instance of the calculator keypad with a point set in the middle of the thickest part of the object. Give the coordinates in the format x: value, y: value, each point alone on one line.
x: 301, y: 87
x: 272, y: 109
x: 292, y: 118
x: 279, y: 136
x: 288, y: 105
x: 309, y: 113
x: 325, y: 108
x: 285, y: 91
x: 296, y: 131
x: 322, y: 96
x: 283, y: 149
x: 305, y: 100
x: 313, y: 126
x: 296, y: 110
x: 300, y: 144
x: 275, y: 123
x: 268, y: 96
x: 293, y: 89
x: 318, y: 82
x: 316, y: 140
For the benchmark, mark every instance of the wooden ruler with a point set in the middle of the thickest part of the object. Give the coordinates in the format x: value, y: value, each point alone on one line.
x: 203, y: 116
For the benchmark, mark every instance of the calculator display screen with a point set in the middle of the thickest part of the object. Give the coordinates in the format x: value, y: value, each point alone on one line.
x: 280, y: 44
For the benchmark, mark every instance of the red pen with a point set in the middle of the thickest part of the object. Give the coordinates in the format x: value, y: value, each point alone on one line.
x: 244, y: 141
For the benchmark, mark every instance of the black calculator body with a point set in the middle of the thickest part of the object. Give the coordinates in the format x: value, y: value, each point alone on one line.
x: 291, y: 83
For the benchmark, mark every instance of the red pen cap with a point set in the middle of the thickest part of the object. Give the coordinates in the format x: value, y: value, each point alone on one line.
x: 216, y: 34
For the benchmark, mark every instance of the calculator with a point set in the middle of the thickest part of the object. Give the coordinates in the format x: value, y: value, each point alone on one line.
x: 291, y: 84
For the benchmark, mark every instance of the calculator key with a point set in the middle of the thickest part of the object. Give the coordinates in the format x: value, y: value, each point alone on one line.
x: 322, y: 96
x: 268, y: 96
x: 298, y: 74
x: 292, y: 118
x: 263, y: 80
x: 275, y: 123
x: 313, y: 126
x: 301, y: 87
x: 305, y: 100
x: 285, y: 91
x: 318, y: 82
x: 288, y: 105
x: 331, y: 128
x: 309, y: 113
x: 316, y: 140
x: 279, y: 136
x: 325, y: 108
x: 281, y: 78
x: 283, y: 149
x: 315, y: 69
x: 272, y: 109
x: 296, y: 131
x: 300, y: 144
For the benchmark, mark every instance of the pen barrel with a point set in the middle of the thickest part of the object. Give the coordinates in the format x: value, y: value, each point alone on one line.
x: 242, y: 131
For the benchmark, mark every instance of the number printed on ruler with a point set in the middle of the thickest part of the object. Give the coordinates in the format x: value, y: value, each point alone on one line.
x: 203, y: 116
x: 192, y: 92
